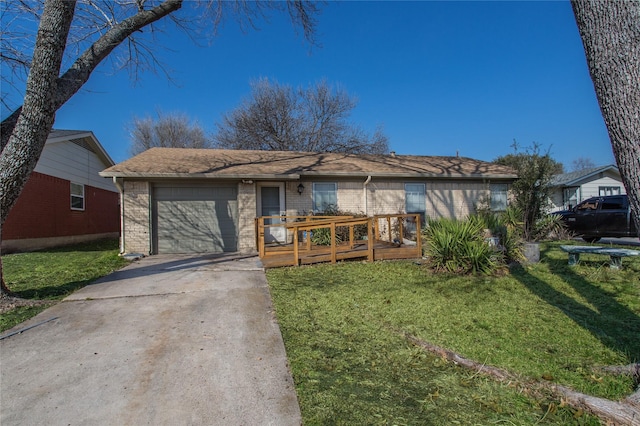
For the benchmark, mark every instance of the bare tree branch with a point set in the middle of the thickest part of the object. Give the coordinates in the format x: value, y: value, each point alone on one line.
x: 582, y: 163
x: 315, y: 119
x: 167, y: 130
x: 25, y: 131
x: 78, y: 74
x: 109, y: 20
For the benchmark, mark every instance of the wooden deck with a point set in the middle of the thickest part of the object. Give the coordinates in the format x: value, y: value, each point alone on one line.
x: 393, y: 237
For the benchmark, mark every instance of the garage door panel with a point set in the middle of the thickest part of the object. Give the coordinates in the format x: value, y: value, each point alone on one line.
x: 196, y: 193
x: 196, y: 220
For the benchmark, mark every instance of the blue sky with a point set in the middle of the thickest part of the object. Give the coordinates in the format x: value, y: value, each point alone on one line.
x: 440, y: 77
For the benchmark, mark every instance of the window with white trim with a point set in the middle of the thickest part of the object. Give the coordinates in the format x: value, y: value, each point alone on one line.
x: 414, y: 199
x: 499, y: 196
x: 77, y: 196
x: 608, y: 190
x: 325, y: 196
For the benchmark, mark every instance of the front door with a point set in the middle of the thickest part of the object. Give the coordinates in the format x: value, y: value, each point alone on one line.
x: 271, y: 203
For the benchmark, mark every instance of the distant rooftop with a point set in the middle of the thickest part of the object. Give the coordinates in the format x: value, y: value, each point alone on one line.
x: 58, y: 133
x: 83, y: 138
x: 567, y: 179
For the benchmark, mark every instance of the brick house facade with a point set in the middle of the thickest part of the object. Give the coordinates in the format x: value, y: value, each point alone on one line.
x: 177, y: 200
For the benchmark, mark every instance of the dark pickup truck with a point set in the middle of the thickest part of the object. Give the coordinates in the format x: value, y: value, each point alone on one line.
x: 599, y: 217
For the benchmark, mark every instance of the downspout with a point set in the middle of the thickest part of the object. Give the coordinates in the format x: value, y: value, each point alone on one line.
x: 121, y: 191
x: 364, y: 187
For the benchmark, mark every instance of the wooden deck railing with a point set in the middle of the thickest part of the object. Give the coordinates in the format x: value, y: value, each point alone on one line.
x: 387, y: 237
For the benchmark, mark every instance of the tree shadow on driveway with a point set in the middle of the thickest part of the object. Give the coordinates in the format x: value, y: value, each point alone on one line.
x: 159, y: 264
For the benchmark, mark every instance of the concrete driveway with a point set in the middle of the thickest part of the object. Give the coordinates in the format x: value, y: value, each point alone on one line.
x: 164, y: 341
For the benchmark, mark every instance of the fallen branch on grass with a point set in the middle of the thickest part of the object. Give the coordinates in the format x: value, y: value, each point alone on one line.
x: 632, y: 370
x: 626, y: 412
x: 634, y: 399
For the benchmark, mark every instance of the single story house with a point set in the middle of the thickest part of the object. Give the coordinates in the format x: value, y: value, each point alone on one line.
x: 64, y: 201
x: 569, y: 189
x: 177, y: 200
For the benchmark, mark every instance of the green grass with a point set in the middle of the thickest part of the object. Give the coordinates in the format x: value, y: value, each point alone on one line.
x: 52, y: 274
x: 351, y: 366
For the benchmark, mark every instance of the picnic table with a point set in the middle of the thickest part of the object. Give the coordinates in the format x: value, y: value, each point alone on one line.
x: 615, y: 254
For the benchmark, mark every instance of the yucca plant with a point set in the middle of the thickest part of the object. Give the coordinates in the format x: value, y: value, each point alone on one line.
x: 507, y: 227
x: 458, y: 246
x: 550, y: 226
x: 512, y: 244
x: 480, y: 257
x: 512, y: 218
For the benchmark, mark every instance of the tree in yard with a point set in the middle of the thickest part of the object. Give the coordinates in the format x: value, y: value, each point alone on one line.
x: 314, y: 119
x: 98, y: 29
x: 582, y: 163
x: 167, y: 131
x: 610, y: 32
x: 532, y: 189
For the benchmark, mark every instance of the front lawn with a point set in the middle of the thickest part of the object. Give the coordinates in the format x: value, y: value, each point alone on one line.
x: 47, y: 276
x: 343, y: 328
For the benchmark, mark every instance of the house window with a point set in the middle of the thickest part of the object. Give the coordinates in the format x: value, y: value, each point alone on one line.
x: 414, y: 199
x: 325, y: 196
x: 608, y: 190
x: 77, y: 196
x: 499, y: 196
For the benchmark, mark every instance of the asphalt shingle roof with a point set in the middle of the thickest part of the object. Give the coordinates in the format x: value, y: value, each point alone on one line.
x: 217, y: 163
x: 60, y: 133
x: 573, y: 177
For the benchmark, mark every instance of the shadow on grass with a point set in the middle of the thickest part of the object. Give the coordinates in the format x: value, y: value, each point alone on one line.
x: 615, y: 325
x: 97, y: 245
x: 53, y: 292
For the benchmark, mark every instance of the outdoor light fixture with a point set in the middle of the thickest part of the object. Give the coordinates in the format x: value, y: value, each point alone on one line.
x: 300, y: 189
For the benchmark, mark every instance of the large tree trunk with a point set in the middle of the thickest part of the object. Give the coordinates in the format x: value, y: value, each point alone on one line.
x: 22, y: 151
x: 4, y: 290
x: 78, y: 74
x: 610, y: 32
x: 24, y: 133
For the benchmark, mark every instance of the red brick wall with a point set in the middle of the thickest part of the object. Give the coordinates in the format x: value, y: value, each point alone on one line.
x: 44, y: 210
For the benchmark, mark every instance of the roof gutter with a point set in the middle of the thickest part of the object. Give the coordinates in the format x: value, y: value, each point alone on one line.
x: 298, y: 176
x: 138, y: 175
x: 412, y: 175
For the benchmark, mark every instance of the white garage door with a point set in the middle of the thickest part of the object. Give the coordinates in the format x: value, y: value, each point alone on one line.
x: 195, y: 219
